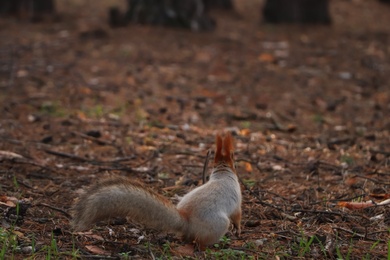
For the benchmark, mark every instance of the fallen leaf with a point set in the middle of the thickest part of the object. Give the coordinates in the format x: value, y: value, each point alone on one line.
x: 245, y: 132
x: 248, y: 167
x: 9, y: 155
x: 81, y: 115
x: 186, y: 250
x: 8, y: 201
x: 94, y: 236
x: 355, y: 205
x: 266, y: 57
x: 97, y: 250
x: 380, y: 196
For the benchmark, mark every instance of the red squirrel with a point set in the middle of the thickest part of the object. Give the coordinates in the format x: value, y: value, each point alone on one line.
x: 202, y: 216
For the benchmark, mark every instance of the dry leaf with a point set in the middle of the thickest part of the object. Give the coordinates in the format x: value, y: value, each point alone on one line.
x: 97, y: 250
x: 9, y: 155
x: 8, y: 201
x: 81, y: 115
x: 355, y: 205
x: 85, y: 91
x: 248, y: 167
x: 94, y: 236
x: 186, y: 250
x: 245, y: 132
x: 266, y: 57
x: 380, y: 196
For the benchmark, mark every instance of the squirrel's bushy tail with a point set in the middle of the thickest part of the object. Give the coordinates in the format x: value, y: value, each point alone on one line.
x: 121, y: 198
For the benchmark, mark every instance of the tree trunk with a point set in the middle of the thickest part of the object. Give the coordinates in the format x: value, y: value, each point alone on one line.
x: 220, y: 4
x: 27, y: 9
x: 297, y: 11
x: 180, y: 13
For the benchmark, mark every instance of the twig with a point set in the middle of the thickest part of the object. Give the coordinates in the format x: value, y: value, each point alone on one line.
x: 54, y: 208
x: 330, y: 213
x: 150, y: 252
x: 359, y: 235
x: 121, y: 159
x: 275, y: 194
x: 337, y: 200
x: 258, y: 198
x: 378, y: 232
x: 379, y: 151
x: 67, y: 155
x: 206, y: 162
x: 185, y: 153
x: 27, y: 161
x: 97, y: 257
x: 94, y: 139
x: 373, y: 180
x: 318, y: 212
x: 154, y: 155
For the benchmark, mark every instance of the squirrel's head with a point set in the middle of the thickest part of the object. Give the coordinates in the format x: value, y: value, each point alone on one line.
x: 224, y: 151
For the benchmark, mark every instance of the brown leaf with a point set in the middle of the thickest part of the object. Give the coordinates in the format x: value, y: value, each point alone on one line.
x: 186, y: 250
x: 97, y: 250
x: 355, y: 205
x: 8, y: 201
x: 266, y: 57
x: 9, y: 155
x: 380, y: 196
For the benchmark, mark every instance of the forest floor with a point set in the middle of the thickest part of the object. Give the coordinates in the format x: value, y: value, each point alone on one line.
x: 309, y: 108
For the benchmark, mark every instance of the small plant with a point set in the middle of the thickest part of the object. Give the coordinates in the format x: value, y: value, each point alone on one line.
x: 96, y: 111
x: 367, y: 256
x: 15, y: 182
x: 125, y: 255
x: 52, y: 109
x: 246, y: 124
x: 226, y: 254
x: 249, y: 182
x: 8, y: 243
x: 304, y: 245
x: 318, y: 118
x: 224, y: 241
x: 388, y: 249
x: 167, y: 249
x: 50, y: 251
x: 250, y: 245
x: 340, y: 254
x: 347, y: 159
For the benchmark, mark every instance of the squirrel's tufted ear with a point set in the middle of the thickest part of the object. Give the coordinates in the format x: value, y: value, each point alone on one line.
x: 218, y: 149
x: 224, y: 150
x: 228, y: 143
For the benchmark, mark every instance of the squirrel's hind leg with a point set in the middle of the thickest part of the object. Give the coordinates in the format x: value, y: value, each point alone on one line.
x: 236, y: 220
x: 210, y: 235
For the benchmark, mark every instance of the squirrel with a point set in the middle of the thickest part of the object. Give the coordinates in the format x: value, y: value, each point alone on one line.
x: 202, y: 216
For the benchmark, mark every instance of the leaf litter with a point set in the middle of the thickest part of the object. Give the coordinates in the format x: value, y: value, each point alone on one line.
x: 309, y: 109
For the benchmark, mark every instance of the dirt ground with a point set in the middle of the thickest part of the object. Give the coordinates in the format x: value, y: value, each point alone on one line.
x: 309, y: 108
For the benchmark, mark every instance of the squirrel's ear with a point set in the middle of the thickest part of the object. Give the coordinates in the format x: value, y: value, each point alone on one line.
x: 228, y: 143
x: 229, y: 149
x: 218, y: 149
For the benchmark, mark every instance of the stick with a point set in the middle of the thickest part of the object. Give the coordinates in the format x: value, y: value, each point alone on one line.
x: 206, y: 162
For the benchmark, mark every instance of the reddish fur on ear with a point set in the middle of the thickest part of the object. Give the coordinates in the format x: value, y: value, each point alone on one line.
x: 228, y: 144
x: 224, y: 150
x: 218, y: 149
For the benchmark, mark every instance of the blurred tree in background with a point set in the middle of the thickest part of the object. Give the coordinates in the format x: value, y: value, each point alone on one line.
x: 33, y: 10
x: 297, y: 11
x: 191, y: 14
